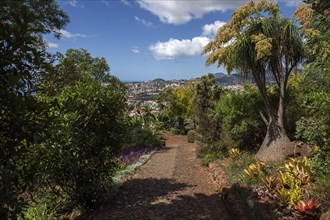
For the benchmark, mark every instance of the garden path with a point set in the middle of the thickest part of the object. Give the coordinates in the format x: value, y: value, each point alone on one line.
x: 171, y: 185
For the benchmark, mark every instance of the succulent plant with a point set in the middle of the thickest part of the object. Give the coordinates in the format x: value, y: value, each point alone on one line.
x: 307, y: 209
x: 254, y: 169
x: 234, y: 153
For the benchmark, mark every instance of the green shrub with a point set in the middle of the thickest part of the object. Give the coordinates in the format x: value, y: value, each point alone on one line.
x: 144, y: 137
x: 177, y: 131
x: 226, y: 141
x: 321, y: 191
x: 210, y: 157
x: 201, y: 150
x: 174, y: 131
x: 89, y: 131
x: 240, y: 124
x: 38, y: 211
x: 236, y: 170
x: 191, y: 136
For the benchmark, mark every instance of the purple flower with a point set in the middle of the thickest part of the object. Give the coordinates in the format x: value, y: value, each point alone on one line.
x: 132, y: 155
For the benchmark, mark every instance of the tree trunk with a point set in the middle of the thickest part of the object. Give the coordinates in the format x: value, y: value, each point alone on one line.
x: 276, y: 144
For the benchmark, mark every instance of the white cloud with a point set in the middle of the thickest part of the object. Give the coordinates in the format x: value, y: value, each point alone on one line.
x: 210, y: 30
x: 69, y: 35
x: 293, y: 3
x: 75, y: 4
x: 136, y: 50
x: 51, y: 44
x: 174, y: 48
x: 181, y: 12
x: 126, y: 2
x: 105, y: 2
x: 144, y: 22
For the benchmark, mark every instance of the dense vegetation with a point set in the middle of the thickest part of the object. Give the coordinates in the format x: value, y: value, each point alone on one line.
x: 63, y: 119
x: 263, y: 119
x: 65, y: 128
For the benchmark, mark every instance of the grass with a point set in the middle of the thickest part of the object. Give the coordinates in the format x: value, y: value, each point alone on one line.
x: 235, y: 169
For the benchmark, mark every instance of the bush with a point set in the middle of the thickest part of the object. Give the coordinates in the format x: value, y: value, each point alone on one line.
x: 240, y: 124
x: 201, y: 150
x: 210, y: 157
x: 44, y: 207
x: 236, y: 170
x: 321, y: 191
x: 191, y: 136
x: 143, y: 137
x: 88, y: 133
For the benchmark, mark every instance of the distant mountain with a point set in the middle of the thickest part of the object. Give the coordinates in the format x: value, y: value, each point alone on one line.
x: 158, y: 80
x: 226, y: 80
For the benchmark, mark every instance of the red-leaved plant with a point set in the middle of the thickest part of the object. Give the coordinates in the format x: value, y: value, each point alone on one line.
x: 307, y: 209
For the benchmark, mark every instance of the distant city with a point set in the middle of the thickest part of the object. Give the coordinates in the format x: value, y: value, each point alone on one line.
x: 146, y: 92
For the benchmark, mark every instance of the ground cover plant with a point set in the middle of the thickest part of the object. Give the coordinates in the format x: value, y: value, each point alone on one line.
x: 132, y: 155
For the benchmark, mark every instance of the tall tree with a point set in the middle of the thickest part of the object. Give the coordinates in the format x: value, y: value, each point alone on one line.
x: 23, y: 59
x: 315, y: 22
x: 76, y: 65
x: 177, y: 102
x: 258, y: 40
x: 203, y: 103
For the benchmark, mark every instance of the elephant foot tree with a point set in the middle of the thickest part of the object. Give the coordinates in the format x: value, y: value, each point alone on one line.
x: 258, y: 41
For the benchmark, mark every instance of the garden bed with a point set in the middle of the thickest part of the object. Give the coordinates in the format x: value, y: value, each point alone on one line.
x: 252, y: 199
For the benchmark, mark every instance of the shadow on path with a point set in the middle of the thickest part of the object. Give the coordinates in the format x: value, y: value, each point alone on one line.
x: 153, y: 198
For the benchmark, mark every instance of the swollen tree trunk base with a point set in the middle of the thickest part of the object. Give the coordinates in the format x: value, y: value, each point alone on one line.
x: 276, y: 145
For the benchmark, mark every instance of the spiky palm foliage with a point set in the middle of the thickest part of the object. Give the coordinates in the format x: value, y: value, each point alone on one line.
x: 315, y: 22
x: 257, y: 41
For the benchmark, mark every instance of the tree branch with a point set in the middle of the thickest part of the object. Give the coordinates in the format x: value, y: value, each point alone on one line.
x: 263, y: 118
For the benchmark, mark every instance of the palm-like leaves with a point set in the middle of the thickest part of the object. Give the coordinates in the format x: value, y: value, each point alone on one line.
x: 258, y: 39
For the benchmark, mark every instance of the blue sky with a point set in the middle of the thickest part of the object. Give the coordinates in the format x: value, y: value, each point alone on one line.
x: 148, y: 39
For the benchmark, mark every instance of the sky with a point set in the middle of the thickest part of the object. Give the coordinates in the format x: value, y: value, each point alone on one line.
x: 147, y: 39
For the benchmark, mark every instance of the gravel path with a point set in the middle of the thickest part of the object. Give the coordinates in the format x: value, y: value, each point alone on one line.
x: 171, y: 185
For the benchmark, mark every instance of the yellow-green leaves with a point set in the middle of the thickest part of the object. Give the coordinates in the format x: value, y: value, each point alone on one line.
x: 263, y: 45
x: 254, y: 169
x: 299, y: 169
x: 270, y: 182
x: 223, y: 49
x: 234, y: 153
x: 268, y: 6
x: 304, y: 14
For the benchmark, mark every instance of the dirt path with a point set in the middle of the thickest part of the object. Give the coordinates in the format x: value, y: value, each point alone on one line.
x: 171, y: 185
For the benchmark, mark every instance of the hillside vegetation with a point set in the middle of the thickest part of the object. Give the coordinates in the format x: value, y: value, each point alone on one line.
x: 66, y: 128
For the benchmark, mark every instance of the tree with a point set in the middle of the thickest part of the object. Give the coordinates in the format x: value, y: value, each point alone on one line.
x: 314, y: 125
x: 22, y: 47
x: 89, y: 131
x: 315, y: 23
x: 256, y: 41
x: 23, y: 120
x: 206, y: 94
x: 76, y: 65
x: 177, y: 103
